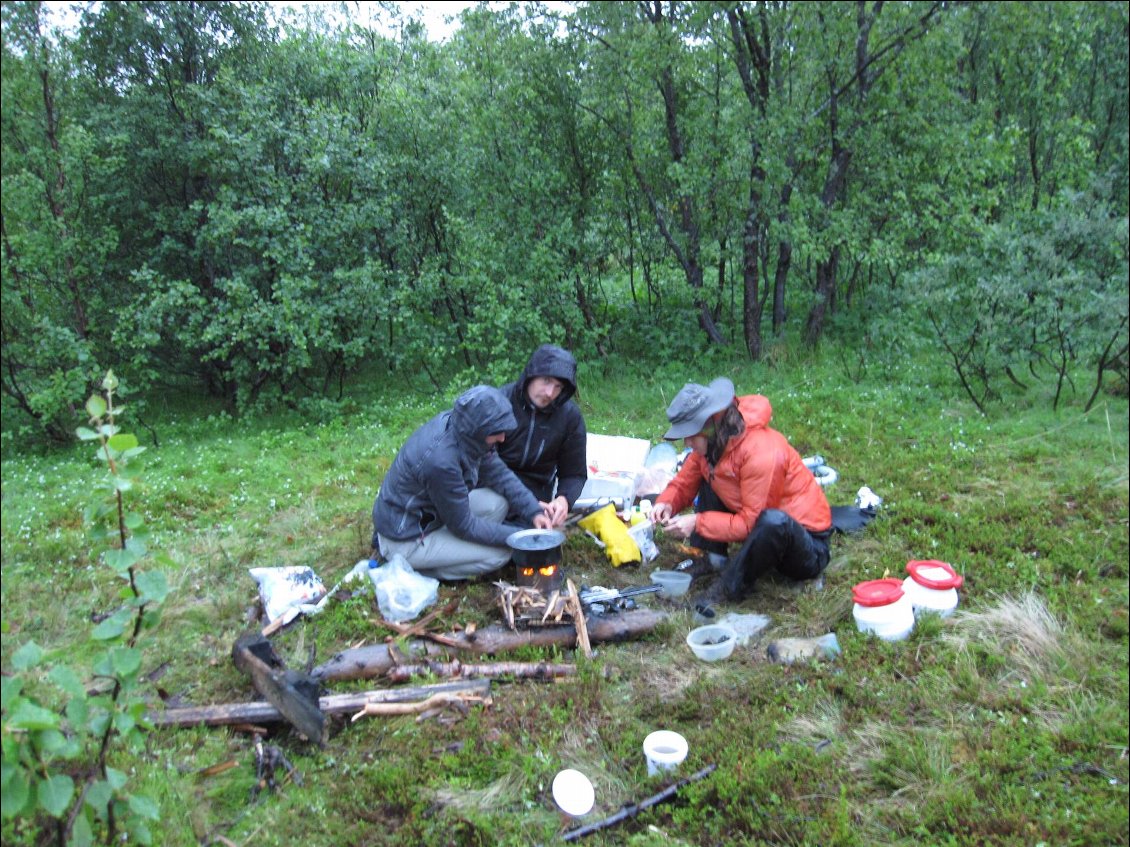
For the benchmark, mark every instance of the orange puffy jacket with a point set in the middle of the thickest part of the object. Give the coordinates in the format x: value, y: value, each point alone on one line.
x: 758, y: 470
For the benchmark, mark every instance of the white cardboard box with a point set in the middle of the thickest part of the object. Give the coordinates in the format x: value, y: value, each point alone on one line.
x: 615, y: 463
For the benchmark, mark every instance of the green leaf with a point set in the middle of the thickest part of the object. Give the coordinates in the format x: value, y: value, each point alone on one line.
x: 81, y: 834
x: 15, y: 792
x: 30, y: 716
x: 133, y: 520
x: 55, y: 794
x: 141, y: 833
x: 99, y: 795
x: 124, y: 724
x: 121, y: 560
x: 116, y: 779
x: 144, y: 807
x: 123, y: 441
x: 152, y: 585
x: 125, y: 660
x: 110, y: 628
x: 95, y: 406
x: 50, y: 741
x: 77, y: 711
x: 122, y: 484
x: 67, y: 680
x: 10, y: 688
x: 27, y: 656
x: 110, y: 382
x: 86, y: 434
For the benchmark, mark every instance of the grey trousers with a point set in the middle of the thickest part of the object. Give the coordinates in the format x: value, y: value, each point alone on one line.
x: 443, y: 555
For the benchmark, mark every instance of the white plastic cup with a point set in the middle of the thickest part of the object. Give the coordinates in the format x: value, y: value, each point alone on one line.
x: 664, y: 751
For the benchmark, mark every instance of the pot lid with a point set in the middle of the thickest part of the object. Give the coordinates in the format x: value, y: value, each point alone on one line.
x: 934, y: 574
x: 535, y: 539
x: 877, y: 592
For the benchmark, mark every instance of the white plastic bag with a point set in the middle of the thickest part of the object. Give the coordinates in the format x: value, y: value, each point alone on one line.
x: 643, y: 534
x: 285, y: 590
x: 401, y: 592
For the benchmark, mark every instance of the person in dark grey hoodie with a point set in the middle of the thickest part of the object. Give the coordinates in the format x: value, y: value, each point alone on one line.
x: 444, y: 502
x: 547, y: 450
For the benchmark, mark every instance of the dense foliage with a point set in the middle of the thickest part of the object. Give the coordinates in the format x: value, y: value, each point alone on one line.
x: 201, y: 194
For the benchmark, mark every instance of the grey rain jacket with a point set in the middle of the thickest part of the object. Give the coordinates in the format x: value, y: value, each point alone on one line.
x: 548, y: 444
x: 430, y: 479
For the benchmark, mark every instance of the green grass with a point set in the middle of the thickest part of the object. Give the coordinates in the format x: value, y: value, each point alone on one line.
x: 1005, y: 724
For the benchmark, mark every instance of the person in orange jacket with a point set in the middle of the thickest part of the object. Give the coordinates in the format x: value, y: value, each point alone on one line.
x: 747, y: 484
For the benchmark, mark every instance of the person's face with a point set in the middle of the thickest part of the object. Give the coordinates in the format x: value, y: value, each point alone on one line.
x: 496, y: 439
x: 543, y: 390
x: 697, y: 443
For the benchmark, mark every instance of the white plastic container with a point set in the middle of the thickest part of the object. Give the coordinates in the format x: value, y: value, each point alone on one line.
x: 932, y: 586
x: 881, y: 607
x: 674, y: 583
x: 712, y: 642
x: 664, y: 751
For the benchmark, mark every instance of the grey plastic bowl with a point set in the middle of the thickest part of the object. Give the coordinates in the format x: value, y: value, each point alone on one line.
x: 712, y: 642
x: 674, y: 583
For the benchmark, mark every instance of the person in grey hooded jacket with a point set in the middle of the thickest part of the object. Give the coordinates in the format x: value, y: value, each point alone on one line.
x: 548, y: 449
x: 444, y: 501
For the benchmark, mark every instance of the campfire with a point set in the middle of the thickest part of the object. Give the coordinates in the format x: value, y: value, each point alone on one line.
x: 545, y: 578
x: 537, y: 559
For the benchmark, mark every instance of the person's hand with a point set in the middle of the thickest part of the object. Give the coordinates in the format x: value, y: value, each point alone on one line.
x: 556, y: 510
x: 681, y: 526
x: 542, y: 521
x: 660, y: 514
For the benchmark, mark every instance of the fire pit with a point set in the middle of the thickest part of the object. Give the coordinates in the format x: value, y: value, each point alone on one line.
x: 537, y: 558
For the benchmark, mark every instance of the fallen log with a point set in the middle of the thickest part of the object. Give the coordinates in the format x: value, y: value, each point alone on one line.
x: 373, y: 660
x: 294, y: 694
x: 259, y: 712
x: 519, y: 670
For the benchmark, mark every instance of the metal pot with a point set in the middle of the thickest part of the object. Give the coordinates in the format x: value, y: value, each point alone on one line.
x: 537, y: 555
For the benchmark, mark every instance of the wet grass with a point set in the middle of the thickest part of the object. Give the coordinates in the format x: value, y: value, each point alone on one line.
x: 1005, y: 724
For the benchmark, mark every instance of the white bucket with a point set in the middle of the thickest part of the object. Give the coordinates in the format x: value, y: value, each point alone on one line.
x: 924, y: 599
x: 932, y: 586
x: 664, y: 750
x: 886, y: 612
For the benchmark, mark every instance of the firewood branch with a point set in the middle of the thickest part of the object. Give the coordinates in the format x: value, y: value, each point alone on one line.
x: 457, y: 702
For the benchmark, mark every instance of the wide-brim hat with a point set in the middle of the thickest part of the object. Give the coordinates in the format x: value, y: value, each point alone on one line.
x: 694, y: 404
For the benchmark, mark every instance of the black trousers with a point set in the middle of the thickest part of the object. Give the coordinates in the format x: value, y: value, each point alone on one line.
x: 777, y: 542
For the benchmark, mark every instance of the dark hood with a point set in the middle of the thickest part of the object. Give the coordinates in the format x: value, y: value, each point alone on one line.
x: 554, y: 361
x: 479, y: 412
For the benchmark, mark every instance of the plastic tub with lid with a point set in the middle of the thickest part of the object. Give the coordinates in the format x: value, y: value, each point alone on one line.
x: 882, y: 607
x: 932, y: 586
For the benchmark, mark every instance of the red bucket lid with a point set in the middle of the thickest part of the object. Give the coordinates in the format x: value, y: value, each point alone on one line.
x: 877, y: 592
x: 934, y: 574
